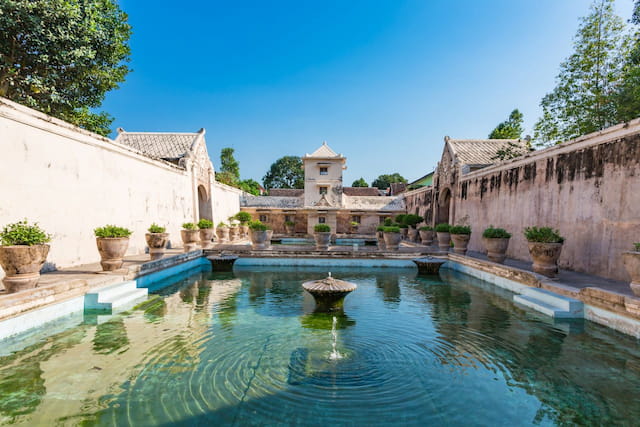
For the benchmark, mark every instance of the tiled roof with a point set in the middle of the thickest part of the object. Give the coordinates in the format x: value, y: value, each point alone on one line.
x: 482, y: 151
x: 166, y: 146
x: 286, y: 192
x: 323, y: 152
x: 361, y: 191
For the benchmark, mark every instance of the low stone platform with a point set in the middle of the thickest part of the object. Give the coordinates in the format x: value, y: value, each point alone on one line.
x: 405, y: 251
x: 62, y: 285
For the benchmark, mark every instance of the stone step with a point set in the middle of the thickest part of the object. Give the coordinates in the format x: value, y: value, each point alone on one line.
x: 110, y: 298
x: 556, y: 306
x: 562, y: 302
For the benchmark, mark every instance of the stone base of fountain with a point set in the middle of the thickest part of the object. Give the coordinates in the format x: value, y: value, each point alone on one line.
x: 428, y: 265
x: 329, y: 293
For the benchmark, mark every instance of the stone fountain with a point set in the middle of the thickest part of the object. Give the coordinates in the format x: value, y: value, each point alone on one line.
x: 329, y: 293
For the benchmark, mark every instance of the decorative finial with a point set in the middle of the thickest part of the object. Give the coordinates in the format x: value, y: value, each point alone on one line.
x: 329, y: 274
x: 324, y: 142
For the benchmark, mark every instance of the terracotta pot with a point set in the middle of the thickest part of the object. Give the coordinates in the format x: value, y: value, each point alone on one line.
x: 413, y: 234
x: 545, y: 257
x: 112, y: 250
x: 392, y: 240
x: 206, y: 237
x: 244, y: 231
x: 631, y: 261
x: 223, y: 234
x: 444, y: 241
x: 289, y: 229
x: 404, y: 232
x: 460, y: 243
x: 323, y: 240
x: 353, y: 229
x: 258, y: 239
x: 190, y: 239
x: 381, y: 244
x: 496, y: 248
x: 426, y: 236
x: 22, y: 265
x: 233, y: 231
x: 157, y: 242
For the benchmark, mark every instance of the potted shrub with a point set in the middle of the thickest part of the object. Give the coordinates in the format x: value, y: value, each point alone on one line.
x: 233, y: 228
x: 404, y: 230
x: 444, y: 238
x: 190, y: 236
x: 426, y: 235
x: 207, y: 233
x: 244, y: 218
x: 392, y: 237
x: 269, y: 236
x: 322, y: 234
x: 545, y: 245
x: 290, y: 227
x: 380, y: 237
x: 353, y: 227
x: 223, y: 232
x: 412, y: 220
x: 258, y: 234
x: 460, y: 235
x: 157, y: 240
x: 112, y: 242
x: 631, y: 261
x: 496, y: 240
x: 23, y: 252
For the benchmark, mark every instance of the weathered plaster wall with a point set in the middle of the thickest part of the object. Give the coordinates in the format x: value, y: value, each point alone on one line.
x: 72, y: 181
x: 226, y: 202
x: 420, y: 202
x: 589, y: 189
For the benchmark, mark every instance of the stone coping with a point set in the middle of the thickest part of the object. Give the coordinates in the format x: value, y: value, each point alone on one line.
x: 65, y: 284
x: 607, y: 299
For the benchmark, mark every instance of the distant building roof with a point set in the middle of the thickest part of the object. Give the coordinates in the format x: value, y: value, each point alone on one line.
x: 396, y: 188
x: 361, y: 191
x: 423, y: 181
x: 482, y: 151
x: 324, y: 152
x: 286, y: 192
x: 167, y: 146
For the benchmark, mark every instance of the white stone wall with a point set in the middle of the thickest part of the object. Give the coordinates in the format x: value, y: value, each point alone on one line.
x: 71, y: 181
x: 226, y: 202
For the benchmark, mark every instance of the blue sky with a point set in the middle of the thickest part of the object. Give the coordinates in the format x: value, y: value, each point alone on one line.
x: 381, y: 81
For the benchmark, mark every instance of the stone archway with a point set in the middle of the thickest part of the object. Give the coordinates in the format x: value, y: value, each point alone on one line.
x: 204, y: 204
x: 444, y: 206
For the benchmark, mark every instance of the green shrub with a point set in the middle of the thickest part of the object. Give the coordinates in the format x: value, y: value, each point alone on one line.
x: 401, y: 225
x: 495, y: 233
x: 380, y: 228
x: 155, y: 228
x: 400, y: 218
x: 222, y: 225
x: 426, y: 228
x: 443, y: 228
x: 112, y: 231
x: 189, y: 226
x: 390, y: 229
x: 354, y: 224
x: 460, y: 229
x: 636, y: 246
x: 258, y: 226
x: 289, y: 223
x: 321, y: 228
x: 243, y: 217
x: 543, y: 235
x: 205, y: 223
x: 21, y: 233
x: 411, y: 220
x: 388, y: 222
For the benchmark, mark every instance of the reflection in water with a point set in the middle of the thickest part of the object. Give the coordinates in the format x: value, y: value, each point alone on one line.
x: 247, y: 348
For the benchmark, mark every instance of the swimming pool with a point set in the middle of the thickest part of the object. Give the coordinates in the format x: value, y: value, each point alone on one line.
x: 246, y: 348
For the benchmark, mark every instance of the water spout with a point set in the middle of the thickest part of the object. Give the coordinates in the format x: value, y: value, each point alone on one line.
x: 334, y: 355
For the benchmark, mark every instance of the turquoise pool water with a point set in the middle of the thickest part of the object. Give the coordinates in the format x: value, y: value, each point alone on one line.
x: 246, y: 348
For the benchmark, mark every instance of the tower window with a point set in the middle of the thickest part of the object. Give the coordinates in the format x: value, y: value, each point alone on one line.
x: 322, y: 220
x: 324, y: 171
x: 263, y: 218
x: 323, y: 190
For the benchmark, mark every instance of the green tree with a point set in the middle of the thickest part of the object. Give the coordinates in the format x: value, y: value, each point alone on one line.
x: 62, y: 56
x: 229, y: 168
x: 286, y: 172
x: 360, y: 183
x: 384, y: 181
x: 250, y: 186
x: 583, y: 100
x: 510, y: 128
x: 628, y: 95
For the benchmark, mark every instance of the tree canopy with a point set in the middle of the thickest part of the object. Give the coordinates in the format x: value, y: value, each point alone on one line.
x: 286, y: 172
x: 360, y: 183
x: 250, y: 186
x: 384, y: 181
x: 510, y: 128
x: 62, y: 56
x: 627, y: 97
x: 583, y: 100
